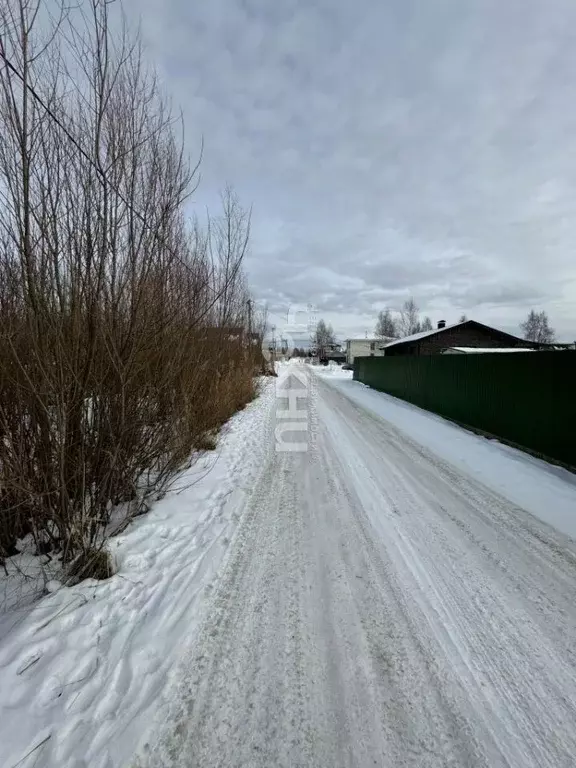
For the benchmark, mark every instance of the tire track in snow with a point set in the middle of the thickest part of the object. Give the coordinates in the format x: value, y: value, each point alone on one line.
x: 378, y: 607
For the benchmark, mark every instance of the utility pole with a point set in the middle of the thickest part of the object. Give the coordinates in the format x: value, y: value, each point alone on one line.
x: 251, y: 355
x: 273, y: 345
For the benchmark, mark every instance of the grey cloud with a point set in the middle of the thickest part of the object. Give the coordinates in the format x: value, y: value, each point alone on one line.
x: 390, y: 149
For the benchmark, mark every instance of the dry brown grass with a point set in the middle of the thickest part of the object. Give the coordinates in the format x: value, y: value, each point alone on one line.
x: 91, y: 564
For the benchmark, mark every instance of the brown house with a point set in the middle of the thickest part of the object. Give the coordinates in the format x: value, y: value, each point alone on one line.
x: 467, y: 334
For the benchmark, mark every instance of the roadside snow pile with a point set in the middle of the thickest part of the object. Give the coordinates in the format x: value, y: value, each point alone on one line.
x: 544, y: 490
x: 332, y: 371
x: 81, y: 670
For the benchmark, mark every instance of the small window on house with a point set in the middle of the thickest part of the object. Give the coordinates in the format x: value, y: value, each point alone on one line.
x: 372, y: 346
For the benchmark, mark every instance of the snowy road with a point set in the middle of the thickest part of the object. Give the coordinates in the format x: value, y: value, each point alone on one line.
x: 379, y: 607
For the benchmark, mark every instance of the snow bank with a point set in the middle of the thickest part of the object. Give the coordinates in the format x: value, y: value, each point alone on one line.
x: 81, y: 670
x: 332, y: 371
x: 544, y: 490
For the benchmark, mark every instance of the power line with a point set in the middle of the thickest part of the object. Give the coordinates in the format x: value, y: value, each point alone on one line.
x: 59, y: 123
x: 104, y: 179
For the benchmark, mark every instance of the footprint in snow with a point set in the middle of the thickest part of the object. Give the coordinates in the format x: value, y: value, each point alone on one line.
x: 28, y: 661
x: 49, y: 693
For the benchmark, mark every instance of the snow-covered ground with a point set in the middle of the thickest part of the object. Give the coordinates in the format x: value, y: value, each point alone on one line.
x: 82, y: 670
x: 545, y: 490
x: 399, y: 594
x: 332, y: 371
x: 382, y: 606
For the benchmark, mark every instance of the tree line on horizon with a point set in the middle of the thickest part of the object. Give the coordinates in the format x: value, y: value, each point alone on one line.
x: 407, y: 322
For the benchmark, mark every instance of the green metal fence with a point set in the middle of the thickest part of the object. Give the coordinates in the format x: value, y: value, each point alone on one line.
x: 528, y: 398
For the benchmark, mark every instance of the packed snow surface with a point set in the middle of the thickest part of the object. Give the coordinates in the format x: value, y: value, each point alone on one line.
x: 399, y: 594
x: 545, y: 490
x: 382, y: 606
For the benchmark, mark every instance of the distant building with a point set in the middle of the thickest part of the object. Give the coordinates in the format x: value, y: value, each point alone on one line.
x: 331, y: 353
x: 466, y: 335
x: 364, y: 348
x: 335, y: 356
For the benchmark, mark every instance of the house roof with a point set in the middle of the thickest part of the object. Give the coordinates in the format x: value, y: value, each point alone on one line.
x: 372, y: 338
x: 487, y: 350
x: 434, y: 331
x: 422, y: 334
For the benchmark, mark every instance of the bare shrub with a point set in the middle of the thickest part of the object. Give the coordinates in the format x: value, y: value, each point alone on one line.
x: 91, y: 564
x: 126, y: 334
x: 206, y: 442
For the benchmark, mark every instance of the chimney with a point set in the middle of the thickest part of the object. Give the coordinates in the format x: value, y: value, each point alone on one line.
x: 441, y: 323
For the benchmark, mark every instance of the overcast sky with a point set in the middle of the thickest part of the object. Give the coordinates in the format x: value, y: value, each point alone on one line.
x: 390, y: 148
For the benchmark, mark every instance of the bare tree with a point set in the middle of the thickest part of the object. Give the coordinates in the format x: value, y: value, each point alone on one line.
x: 124, y: 329
x: 409, y: 321
x: 463, y: 319
x: 323, y: 339
x: 230, y: 235
x: 537, y: 328
x: 426, y: 324
x: 385, y: 326
x: 258, y: 327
